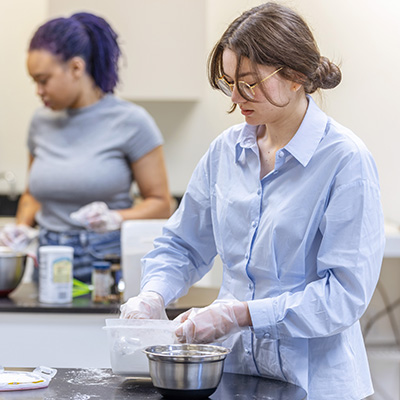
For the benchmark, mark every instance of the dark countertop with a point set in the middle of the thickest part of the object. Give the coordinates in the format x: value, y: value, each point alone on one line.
x: 93, y: 383
x: 25, y: 299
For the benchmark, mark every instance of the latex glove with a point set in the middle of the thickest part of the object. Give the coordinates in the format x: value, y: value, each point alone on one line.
x: 213, y: 323
x: 146, y: 305
x: 98, y: 217
x: 17, y: 237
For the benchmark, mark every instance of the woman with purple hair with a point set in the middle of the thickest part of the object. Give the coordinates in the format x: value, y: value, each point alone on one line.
x: 86, y: 146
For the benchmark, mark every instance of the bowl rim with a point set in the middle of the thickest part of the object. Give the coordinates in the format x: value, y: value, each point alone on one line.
x: 169, y: 352
x: 8, y: 252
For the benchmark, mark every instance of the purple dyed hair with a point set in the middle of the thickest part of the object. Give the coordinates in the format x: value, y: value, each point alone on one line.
x: 87, y: 36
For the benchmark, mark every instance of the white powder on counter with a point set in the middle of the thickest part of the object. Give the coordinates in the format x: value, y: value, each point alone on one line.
x: 88, y: 376
x: 79, y: 396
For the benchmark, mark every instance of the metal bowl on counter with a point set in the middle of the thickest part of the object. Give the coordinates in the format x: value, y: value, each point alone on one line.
x: 12, y: 268
x: 186, y: 371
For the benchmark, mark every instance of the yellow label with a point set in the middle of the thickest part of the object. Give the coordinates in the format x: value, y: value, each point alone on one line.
x: 62, y: 269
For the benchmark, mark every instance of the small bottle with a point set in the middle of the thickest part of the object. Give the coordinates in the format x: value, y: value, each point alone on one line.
x: 117, y: 283
x: 101, y: 281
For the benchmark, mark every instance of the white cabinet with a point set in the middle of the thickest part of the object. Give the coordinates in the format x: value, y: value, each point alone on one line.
x: 59, y: 340
x: 163, y: 44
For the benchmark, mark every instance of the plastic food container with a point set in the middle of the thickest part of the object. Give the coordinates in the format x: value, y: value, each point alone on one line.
x: 128, y: 337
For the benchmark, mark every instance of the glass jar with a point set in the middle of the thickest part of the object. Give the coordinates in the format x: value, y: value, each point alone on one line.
x: 101, y: 281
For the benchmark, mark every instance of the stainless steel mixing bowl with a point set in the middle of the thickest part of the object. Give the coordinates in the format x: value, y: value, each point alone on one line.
x: 12, y: 268
x: 186, y: 371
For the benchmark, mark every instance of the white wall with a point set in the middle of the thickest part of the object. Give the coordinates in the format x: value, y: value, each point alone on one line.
x: 362, y: 35
x: 18, y: 20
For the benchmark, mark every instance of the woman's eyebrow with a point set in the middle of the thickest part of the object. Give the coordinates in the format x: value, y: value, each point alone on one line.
x: 242, y: 75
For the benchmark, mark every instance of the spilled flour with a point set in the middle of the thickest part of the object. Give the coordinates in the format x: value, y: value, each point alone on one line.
x: 88, y: 376
x: 79, y: 396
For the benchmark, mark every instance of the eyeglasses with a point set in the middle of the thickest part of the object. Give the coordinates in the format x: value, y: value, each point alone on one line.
x: 245, y: 88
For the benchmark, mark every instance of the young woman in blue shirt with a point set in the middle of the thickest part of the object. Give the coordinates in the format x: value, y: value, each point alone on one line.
x: 290, y: 201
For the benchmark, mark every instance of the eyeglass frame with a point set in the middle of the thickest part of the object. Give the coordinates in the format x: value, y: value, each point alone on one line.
x: 251, y: 87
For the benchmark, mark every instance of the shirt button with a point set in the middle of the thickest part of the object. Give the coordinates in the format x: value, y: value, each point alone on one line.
x: 251, y: 286
x: 267, y: 335
x: 281, y: 154
x: 259, y: 191
x: 246, y: 256
x: 248, y: 351
x: 254, y: 224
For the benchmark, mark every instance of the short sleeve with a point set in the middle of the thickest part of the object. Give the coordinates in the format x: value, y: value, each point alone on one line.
x: 143, y: 134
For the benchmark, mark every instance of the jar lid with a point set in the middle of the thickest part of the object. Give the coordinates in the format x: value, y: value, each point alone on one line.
x: 101, y: 265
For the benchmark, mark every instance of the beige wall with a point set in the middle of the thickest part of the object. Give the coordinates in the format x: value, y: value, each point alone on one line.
x: 18, y: 19
x: 363, y: 35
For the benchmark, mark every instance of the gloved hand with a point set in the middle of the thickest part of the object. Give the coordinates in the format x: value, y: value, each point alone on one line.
x: 146, y: 305
x: 17, y: 237
x: 98, y: 217
x: 213, y: 323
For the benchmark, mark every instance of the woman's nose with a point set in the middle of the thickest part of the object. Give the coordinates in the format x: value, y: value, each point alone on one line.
x: 236, y: 96
x: 39, y: 89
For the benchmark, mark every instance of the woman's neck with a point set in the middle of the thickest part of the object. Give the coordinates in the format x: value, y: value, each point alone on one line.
x: 88, y: 95
x: 280, y: 133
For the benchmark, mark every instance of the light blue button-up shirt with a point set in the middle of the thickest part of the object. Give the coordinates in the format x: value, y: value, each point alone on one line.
x: 303, y: 245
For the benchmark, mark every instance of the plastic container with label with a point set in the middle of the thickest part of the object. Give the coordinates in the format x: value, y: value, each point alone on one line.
x: 55, y: 274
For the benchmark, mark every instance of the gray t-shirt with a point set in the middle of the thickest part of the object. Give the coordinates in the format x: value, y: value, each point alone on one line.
x: 84, y: 155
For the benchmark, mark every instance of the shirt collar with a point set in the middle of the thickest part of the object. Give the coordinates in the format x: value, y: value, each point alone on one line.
x: 247, y: 139
x: 303, y: 144
x: 312, y: 129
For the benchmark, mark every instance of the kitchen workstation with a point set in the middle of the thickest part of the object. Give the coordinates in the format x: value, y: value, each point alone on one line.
x: 188, y: 211
x: 118, y: 359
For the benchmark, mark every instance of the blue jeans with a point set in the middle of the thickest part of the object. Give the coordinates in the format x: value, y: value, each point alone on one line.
x: 88, y: 247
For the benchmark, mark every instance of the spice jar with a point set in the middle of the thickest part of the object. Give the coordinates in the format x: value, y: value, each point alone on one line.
x: 117, y: 282
x: 101, y: 281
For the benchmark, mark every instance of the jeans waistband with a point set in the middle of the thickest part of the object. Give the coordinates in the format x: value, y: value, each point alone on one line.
x: 74, y: 237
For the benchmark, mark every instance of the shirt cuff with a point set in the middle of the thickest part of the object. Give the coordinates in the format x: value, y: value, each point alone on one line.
x: 263, y: 318
x: 161, y: 289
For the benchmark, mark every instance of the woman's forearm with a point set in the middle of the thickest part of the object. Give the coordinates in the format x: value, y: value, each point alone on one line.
x: 28, y: 206
x: 149, y: 208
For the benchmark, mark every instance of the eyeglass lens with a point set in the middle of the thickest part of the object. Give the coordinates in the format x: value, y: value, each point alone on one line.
x: 243, y: 86
x: 224, y: 86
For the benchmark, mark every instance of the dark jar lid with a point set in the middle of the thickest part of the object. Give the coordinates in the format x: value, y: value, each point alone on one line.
x: 101, y: 265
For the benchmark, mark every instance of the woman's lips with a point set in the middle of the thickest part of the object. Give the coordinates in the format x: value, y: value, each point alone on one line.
x: 246, y: 113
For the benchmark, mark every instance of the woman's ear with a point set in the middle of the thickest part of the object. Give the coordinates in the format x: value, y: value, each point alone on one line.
x: 295, y: 86
x: 295, y: 79
x: 77, y: 66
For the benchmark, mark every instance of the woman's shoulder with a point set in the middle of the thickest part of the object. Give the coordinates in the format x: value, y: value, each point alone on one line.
x: 125, y: 108
x: 345, y: 140
x: 349, y: 153
x: 229, y: 136
x: 45, y: 118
